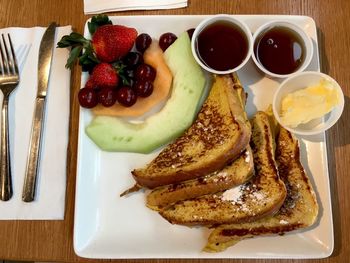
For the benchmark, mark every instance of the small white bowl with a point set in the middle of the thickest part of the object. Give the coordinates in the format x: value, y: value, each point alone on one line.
x: 307, y: 42
x: 213, y: 19
x: 300, y: 81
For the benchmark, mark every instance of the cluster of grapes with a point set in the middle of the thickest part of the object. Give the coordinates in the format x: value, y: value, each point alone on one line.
x: 141, y: 75
x: 137, y: 77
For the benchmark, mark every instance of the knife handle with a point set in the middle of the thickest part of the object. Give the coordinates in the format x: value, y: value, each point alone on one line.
x: 5, y: 163
x: 31, y: 173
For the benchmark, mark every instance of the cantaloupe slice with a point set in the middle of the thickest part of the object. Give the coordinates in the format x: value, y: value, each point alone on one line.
x: 161, y: 87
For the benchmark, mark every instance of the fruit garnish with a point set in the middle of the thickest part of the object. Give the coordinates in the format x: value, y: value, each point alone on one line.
x: 126, y: 96
x: 87, y: 98
x: 117, y: 73
x: 145, y: 72
x: 143, y: 88
x: 104, y: 75
x: 142, y: 42
x: 90, y: 84
x: 161, y: 86
x: 109, y: 43
x: 190, y: 32
x: 116, y: 134
x: 132, y: 59
x: 87, y: 58
x: 130, y: 73
x: 97, y: 21
x: 107, y: 96
x: 166, y: 40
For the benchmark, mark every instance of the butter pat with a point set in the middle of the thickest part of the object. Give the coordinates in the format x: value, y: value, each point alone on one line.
x: 309, y: 103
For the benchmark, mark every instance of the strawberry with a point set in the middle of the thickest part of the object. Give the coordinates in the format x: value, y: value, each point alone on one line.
x: 104, y: 75
x: 111, y: 42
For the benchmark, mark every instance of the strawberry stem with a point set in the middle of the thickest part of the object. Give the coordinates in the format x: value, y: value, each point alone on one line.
x: 120, y: 67
x: 97, y: 21
x: 81, y: 50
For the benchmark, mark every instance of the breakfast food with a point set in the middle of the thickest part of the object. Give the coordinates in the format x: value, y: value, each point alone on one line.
x: 120, y: 77
x: 154, y: 57
x: 234, y: 174
x: 115, y: 134
x: 224, y: 186
x: 112, y: 42
x: 143, y: 41
x: 299, y: 210
x: 166, y: 39
x: 309, y: 103
x: 104, y: 76
x: 108, y: 44
x: 260, y: 197
x: 218, y: 136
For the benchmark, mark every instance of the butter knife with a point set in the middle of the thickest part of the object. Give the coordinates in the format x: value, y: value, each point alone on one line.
x: 45, y: 57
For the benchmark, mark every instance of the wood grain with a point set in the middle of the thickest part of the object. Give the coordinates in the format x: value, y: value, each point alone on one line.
x: 52, y: 240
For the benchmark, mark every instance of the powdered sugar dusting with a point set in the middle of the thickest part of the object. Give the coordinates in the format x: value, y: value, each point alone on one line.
x: 244, y: 196
x: 232, y: 195
x: 258, y: 196
x: 247, y: 157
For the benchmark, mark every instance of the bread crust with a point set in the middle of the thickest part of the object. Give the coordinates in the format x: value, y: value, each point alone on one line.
x: 217, y: 137
x: 236, y: 173
x: 262, y: 196
x: 299, y: 210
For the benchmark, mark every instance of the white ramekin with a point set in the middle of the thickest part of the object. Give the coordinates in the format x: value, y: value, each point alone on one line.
x: 307, y: 41
x: 226, y: 18
x: 303, y: 80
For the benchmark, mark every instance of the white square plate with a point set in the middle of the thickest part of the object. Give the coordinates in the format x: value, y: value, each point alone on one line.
x: 107, y: 226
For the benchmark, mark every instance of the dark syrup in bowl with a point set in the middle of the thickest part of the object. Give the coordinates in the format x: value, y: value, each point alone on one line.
x: 222, y: 46
x: 280, y: 50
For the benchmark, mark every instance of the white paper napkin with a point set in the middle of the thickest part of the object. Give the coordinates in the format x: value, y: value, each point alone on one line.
x: 104, y: 6
x: 51, y: 188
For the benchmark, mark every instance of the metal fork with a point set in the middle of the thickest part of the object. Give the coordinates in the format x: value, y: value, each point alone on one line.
x: 9, y: 79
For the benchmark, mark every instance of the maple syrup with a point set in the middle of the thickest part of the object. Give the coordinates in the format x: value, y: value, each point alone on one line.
x: 222, y: 46
x: 280, y: 50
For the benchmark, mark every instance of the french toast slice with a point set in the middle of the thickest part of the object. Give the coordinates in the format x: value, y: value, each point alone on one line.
x: 299, y: 210
x: 236, y: 173
x: 260, y: 197
x: 218, y: 136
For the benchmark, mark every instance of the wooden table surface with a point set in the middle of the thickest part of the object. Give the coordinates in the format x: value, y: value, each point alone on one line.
x: 53, y: 240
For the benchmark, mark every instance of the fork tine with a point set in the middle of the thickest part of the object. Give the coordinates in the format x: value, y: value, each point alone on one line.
x: 7, y: 64
x: 13, y: 56
x: 4, y: 57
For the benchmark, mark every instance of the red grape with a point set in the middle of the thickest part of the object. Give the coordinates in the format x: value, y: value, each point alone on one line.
x: 143, y: 88
x: 107, y: 96
x: 166, y: 40
x: 145, y: 72
x: 87, y: 98
x: 130, y: 73
x: 190, y: 32
x: 142, y: 42
x: 132, y: 59
x: 126, y: 96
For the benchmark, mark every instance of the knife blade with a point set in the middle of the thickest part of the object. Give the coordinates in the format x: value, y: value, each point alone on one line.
x: 47, y: 45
